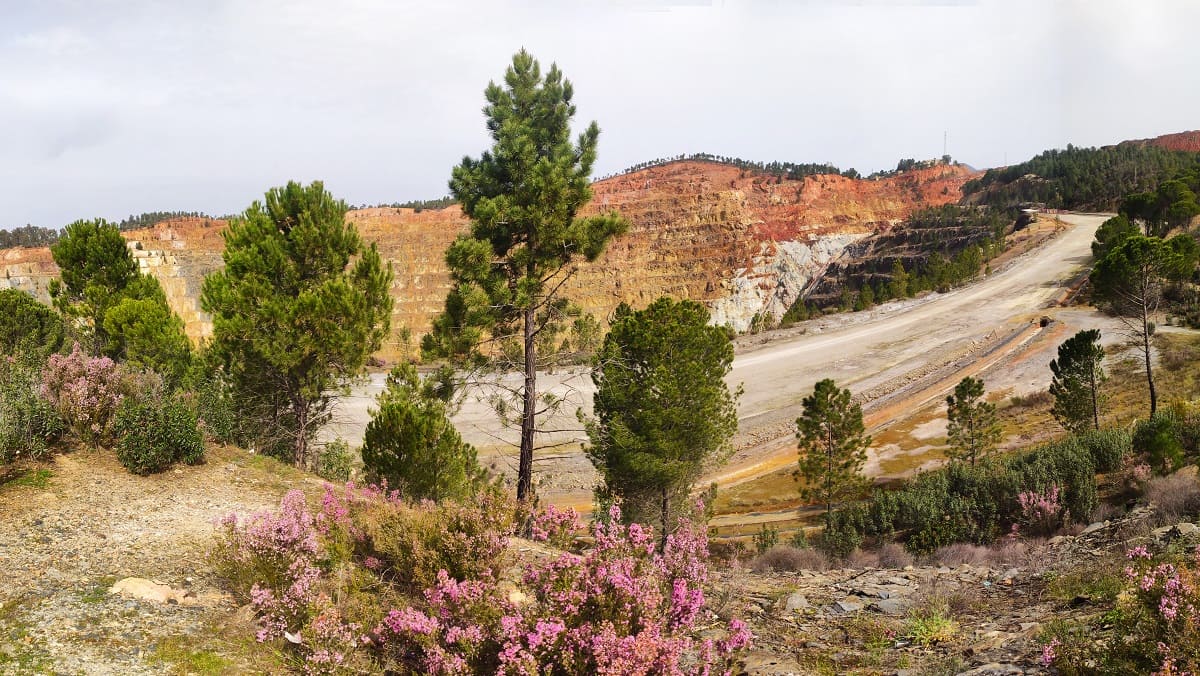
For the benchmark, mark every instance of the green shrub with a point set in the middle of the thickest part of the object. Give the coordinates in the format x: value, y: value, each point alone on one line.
x: 1158, y: 439
x: 29, y: 424
x: 977, y: 504
x: 1108, y: 447
x: 766, y: 538
x: 844, y: 533
x: 335, y: 461
x: 30, y: 331
x: 152, y: 435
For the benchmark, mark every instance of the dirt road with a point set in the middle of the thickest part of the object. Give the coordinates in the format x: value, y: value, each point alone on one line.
x: 865, y: 351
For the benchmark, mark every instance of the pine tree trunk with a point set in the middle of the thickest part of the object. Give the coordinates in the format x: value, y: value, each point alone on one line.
x: 525, y: 467
x: 301, y: 444
x: 1095, y: 403
x: 1146, y: 353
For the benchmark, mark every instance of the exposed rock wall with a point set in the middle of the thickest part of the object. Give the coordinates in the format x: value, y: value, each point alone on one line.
x: 743, y: 243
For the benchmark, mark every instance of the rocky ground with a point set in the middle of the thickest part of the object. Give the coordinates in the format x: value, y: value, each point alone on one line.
x: 107, y: 573
x: 71, y: 531
x: 981, y: 618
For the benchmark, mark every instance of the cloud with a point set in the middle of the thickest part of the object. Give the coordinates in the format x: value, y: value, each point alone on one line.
x: 111, y: 108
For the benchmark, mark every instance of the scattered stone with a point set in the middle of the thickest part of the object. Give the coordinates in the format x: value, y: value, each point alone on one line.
x: 891, y: 606
x: 994, y: 669
x: 795, y: 601
x: 1092, y: 528
x: 848, y: 606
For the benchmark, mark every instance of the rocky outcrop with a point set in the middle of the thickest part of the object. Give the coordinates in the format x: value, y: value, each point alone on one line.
x: 741, y: 242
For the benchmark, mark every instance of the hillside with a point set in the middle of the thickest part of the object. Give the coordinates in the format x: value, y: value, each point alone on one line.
x: 742, y: 242
x: 1186, y: 141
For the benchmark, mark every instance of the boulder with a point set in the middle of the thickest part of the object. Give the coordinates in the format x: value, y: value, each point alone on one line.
x: 154, y: 592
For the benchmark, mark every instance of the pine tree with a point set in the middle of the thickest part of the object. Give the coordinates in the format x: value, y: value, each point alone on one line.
x: 523, y: 198
x: 95, y: 267
x: 1130, y: 278
x: 973, y: 431
x: 899, y: 283
x: 298, y: 308
x: 663, y: 413
x: 411, y: 443
x: 1075, y: 386
x: 833, y: 447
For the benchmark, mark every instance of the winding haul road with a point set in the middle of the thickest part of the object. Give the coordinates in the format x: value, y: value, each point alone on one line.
x: 869, y: 352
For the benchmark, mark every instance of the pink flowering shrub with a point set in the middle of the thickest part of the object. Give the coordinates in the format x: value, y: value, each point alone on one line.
x: 1042, y: 513
x: 556, y: 526
x: 620, y: 607
x: 85, y: 391
x: 1154, y: 627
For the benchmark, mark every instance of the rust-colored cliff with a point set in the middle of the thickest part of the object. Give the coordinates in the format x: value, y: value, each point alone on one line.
x: 742, y: 242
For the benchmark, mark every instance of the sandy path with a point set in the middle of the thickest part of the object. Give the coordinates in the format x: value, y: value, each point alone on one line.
x: 864, y: 351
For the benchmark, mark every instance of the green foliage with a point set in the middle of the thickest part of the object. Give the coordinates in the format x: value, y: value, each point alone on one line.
x: 1077, y: 374
x: 833, y: 447
x: 663, y: 413
x: 29, y: 425
x: 844, y: 531
x: 146, y: 333
x: 95, y: 266
x: 299, y: 306
x: 30, y: 331
x: 766, y: 538
x: 1111, y: 233
x: 1076, y: 178
x: 154, y: 434
x: 1108, y: 447
x: 1159, y: 440
x: 153, y: 218
x: 1172, y: 205
x: 411, y: 443
x: 523, y: 198
x: 1129, y: 280
x: 335, y: 461
x: 976, y: 504
x: 788, y: 170
x: 973, y: 431
x: 126, y: 312
x: 28, y: 236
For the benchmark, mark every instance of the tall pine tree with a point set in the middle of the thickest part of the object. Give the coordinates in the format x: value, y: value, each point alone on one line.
x: 299, y: 306
x: 833, y: 447
x: 973, y: 430
x: 523, y: 198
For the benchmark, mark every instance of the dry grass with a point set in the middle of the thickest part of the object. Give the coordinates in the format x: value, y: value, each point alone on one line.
x: 783, y: 558
x: 1175, y: 497
x: 892, y: 555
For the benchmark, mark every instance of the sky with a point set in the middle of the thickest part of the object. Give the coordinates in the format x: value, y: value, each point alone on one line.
x: 116, y: 107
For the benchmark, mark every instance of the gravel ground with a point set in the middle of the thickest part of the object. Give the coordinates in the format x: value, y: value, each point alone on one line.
x: 90, y: 523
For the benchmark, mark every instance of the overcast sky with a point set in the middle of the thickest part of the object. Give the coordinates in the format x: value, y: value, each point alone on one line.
x: 113, y: 107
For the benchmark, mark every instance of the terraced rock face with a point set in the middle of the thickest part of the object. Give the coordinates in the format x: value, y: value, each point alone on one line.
x: 741, y: 242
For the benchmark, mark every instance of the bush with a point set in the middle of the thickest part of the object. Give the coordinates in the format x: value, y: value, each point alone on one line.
x: 782, y: 558
x: 766, y: 538
x: 29, y: 424
x: 977, y: 504
x: 620, y: 607
x: 1155, y: 626
x: 218, y: 413
x: 844, y: 533
x: 153, y: 435
x: 335, y: 461
x: 1176, y: 496
x: 30, y: 331
x: 85, y: 391
x: 960, y: 553
x: 1158, y: 439
x: 892, y: 555
x: 1108, y: 447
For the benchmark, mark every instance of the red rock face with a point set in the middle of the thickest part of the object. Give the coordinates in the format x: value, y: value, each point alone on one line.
x: 1188, y: 141
x: 694, y: 227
